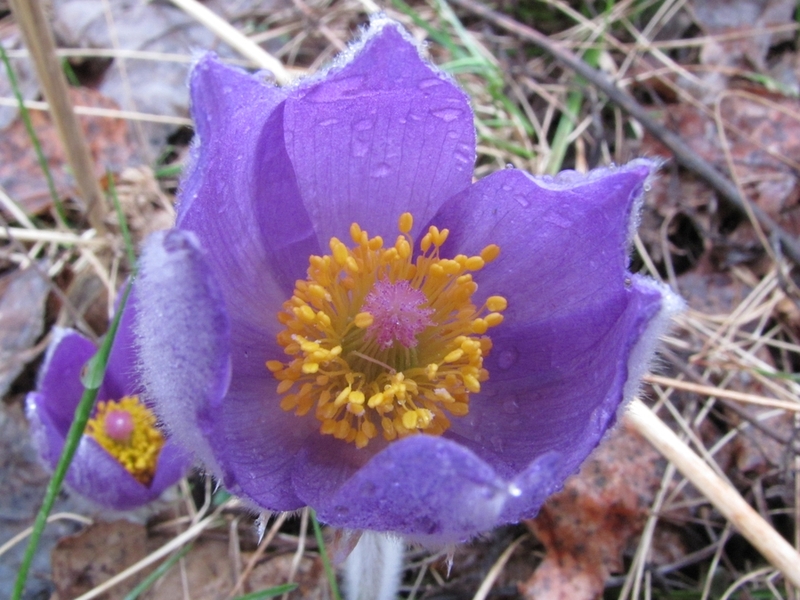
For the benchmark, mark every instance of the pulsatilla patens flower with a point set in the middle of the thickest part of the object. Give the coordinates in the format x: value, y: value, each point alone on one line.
x: 342, y: 319
x: 123, y: 460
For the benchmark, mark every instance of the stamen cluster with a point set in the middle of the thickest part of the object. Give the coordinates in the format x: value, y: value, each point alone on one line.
x: 138, y: 448
x: 396, y: 370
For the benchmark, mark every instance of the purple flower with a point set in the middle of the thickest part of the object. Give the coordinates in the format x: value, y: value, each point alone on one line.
x: 122, y: 460
x: 433, y: 386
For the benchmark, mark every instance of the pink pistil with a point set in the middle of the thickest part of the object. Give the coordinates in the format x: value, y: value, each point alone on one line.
x: 397, y: 313
x: 119, y: 425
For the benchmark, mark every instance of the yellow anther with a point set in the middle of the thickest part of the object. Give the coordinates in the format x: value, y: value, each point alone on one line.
x: 275, y: 365
x: 425, y: 242
x: 375, y: 400
x: 318, y: 292
x: 480, y: 326
x: 410, y: 420
x: 352, y: 265
x: 472, y: 384
x: 403, y: 248
x: 369, y: 429
x: 309, y: 368
x: 361, y: 439
x: 496, y: 303
x: 284, y: 386
x: 306, y: 313
x: 340, y: 252
x: 453, y: 356
x: 355, y: 233
x: 356, y: 397
x: 363, y: 320
x: 490, y: 252
x: 451, y: 267
x: 342, y: 397
x: 493, y: 319
x: 475, y: 263
x: 342, y: 430
x: 431, y: 371
x: 405, y: 222
x: 375, y: 243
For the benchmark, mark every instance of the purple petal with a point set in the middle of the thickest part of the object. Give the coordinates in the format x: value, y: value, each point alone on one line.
x: 184, y: 339
x: 563, y: 241
x: 239, y: 197
x: 173, y: 462
x: 59, y: 386
x: 426, y: 487
x: 384, y: 134
x: 258, y: 443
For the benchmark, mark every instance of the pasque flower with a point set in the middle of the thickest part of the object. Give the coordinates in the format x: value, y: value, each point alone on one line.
x: 342, y: 319
x: 123, y: 461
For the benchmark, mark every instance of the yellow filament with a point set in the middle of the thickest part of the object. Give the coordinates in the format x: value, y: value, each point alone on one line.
x: 357, y: 387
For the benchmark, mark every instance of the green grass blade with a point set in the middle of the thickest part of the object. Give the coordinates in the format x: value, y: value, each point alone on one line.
x: 96, y: 368
x: 26, y: 119
x: 326, y: 561
x: 123, y: 224
x: 157, y: 574
x: 270, y: 593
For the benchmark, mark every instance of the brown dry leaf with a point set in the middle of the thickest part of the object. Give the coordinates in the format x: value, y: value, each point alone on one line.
x: 20, y: 173
x: 83, y: 561
x: 586, y: 527
x: 22, y: 302
x: 757, y: 124
x: 719, y: 17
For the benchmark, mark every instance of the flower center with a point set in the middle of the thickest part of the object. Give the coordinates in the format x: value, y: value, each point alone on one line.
x: 380, y: 340
x: 126, y: 429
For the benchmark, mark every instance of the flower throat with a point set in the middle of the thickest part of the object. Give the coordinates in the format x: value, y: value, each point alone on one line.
x: 380, y: 340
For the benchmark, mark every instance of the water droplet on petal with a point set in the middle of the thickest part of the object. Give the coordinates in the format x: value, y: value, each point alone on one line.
x: 359, y: 148
x: 510, y: 166
x: 363, y: 125
x: 328, y: 122
x: 447, y: 114
x: 507, y: 358
x: 523, y: 201
x: 382, y: 170
x: 428, y: 83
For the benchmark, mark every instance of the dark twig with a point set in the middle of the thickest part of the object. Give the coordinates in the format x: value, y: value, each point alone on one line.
x: 682, y: 152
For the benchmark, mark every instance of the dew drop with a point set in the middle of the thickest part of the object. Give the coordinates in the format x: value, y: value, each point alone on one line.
x: 507, y: 358
x: 510, y: 166
x: 452, y: 134
x: 429, y: 83
x: 506, y: 188
x: 523, y: 202
x: 447, y: 114
x: 359, y: 148
x: 363, y: 125
x: 328, y: 122
x: 382, y: 170
x: 647, y: 187
x: 460, y: 157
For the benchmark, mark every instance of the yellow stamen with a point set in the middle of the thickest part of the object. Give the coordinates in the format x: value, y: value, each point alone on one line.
x: 139, y: 452
x: 417, y: 373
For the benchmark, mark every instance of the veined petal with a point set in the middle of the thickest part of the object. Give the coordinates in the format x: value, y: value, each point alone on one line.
x: 563, y: 240
x: 383, y: 134
x: 427, y: 488
x: 242, y: 202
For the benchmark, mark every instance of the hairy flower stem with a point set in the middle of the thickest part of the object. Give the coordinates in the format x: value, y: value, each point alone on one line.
x: 372, y: 571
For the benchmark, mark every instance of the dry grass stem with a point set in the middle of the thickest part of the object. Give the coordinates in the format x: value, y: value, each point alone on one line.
x: 725, y: 498
x: 35, y: 28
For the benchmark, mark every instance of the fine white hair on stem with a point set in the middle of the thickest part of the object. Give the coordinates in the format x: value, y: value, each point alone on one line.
x: 372, y: 571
